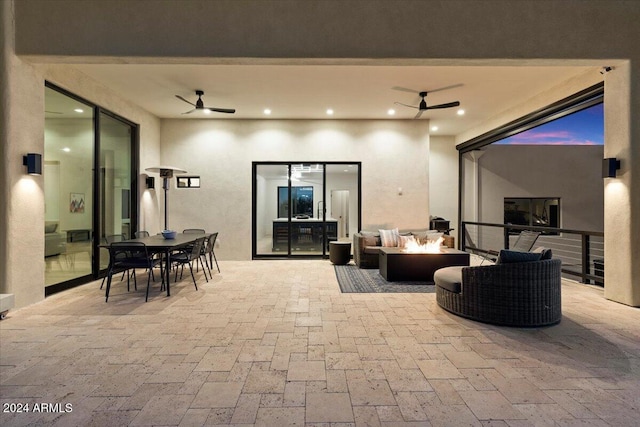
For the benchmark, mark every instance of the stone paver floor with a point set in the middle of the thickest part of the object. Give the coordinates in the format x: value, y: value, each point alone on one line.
x: 275, y: 343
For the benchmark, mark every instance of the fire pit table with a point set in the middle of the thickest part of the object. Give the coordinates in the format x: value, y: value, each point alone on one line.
x: 398, y: 265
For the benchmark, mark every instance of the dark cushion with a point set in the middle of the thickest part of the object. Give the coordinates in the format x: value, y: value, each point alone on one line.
x: 506, y: 256
x: 371, y: 240
x: 449, y: 278
x: 545, y: 252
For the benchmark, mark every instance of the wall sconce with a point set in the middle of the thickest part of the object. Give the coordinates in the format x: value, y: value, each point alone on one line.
x: 609, y: 167
x: 33, y: 162
x: 151, y: 182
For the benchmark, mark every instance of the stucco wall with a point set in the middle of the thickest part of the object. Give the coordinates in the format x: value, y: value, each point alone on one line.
x: 394, y: 154
x: 573, y: 174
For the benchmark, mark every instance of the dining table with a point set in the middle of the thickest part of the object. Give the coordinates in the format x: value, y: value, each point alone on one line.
x: 161, y: 245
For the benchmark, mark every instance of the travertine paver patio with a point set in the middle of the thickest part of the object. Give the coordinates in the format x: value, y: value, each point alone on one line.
x: 275, y: 343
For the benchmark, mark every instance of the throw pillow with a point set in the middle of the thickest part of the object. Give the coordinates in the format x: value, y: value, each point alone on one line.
x: 506, y: 257
x: 545, y: 252
x: 389, y: 238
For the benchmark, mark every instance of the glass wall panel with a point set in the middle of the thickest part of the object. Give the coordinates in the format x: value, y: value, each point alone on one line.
x: 115, y: 182
x: 300, y: 207
x: 68, y: 187
x: 308, y: 209
x: 271, y: 210
x: 342, y: 201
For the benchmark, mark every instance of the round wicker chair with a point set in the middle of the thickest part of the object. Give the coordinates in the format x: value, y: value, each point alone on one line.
x: 515, y: 294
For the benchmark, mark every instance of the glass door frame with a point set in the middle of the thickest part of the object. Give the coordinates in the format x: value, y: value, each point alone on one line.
x: 254, y: 205
x: 95, y: 220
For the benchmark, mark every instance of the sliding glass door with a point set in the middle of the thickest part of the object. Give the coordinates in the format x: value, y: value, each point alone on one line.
x: 90, y: 165
x: 115, y: 182
x: 68, y: 189
x: 298, y: 208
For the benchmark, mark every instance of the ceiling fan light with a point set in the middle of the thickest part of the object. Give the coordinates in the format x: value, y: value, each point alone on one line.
x: 206, y: 111
x: 460, y: 112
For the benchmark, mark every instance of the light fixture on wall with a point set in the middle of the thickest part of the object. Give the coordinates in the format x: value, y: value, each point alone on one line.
x: 33, y: 162
x: 151, y: 182
x: 166, y: 173
x: 609, y: 167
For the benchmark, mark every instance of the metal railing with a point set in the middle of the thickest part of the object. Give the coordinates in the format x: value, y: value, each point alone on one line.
x: 581, y: 252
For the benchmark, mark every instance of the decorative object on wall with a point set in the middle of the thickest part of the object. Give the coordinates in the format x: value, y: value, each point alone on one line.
x: 33, y: 162
x: 151, y: 182
x: 76, y: 203
x: 166, y: 173
x: 609, y: 167
x: 188, y: 181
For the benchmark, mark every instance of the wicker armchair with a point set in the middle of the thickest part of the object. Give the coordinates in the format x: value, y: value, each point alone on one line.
x: 513, y: 294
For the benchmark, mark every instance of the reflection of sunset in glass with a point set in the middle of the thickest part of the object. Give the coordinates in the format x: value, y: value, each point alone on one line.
x: 585, y: 127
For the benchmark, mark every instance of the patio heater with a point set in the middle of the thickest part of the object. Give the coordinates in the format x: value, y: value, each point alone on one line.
x: 166, y: 173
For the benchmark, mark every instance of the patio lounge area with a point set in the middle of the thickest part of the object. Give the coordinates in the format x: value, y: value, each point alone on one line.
x: 277, y: 343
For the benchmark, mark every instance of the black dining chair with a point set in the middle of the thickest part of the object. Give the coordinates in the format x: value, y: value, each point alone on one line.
x: 111, y: 238
x: 189, y: 256
x: 209, y: 250
x: 141, y: 233
x: 129, y: 256
x: 195, y: 231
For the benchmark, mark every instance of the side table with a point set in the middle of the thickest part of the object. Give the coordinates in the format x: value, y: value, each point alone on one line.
x: 340, y: 252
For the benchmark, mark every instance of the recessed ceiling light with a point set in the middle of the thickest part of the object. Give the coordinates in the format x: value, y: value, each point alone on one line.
x: 461, y: 112
x: 79, y: 110
x: 267, y: 112
x: 66, y: 149
x: 434, y: 128
x: 329, y: 112
x: 391, y: 111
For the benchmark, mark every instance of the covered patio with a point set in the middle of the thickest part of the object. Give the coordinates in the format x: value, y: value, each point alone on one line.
x: 277, y: 343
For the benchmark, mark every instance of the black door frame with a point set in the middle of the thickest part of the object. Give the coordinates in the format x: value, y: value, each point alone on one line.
x: 254, y: 197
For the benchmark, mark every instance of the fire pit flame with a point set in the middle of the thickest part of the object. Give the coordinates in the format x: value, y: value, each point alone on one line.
x: 431, y: 247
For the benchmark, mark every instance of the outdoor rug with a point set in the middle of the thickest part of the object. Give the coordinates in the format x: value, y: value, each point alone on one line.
x: 353, y: 279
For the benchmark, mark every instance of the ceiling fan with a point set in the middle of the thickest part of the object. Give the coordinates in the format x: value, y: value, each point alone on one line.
x: 422, y: 107
x: 199, y: 105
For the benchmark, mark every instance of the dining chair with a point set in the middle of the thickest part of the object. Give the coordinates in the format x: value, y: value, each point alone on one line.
x: 129, y: 256
x: 108, y: 239
x: 141, y: 233
x: 209, y: 249
x: 189, y: 256
x: 194, y: 231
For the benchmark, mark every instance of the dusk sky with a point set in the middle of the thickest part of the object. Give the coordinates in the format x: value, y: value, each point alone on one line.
x: 586, y: 127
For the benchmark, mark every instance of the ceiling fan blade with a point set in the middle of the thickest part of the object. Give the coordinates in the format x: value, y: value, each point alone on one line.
x: 405, y: 105
x: 188, y: 102
x: 446, y: 87
x: 404, y: 89
x: 419, y: 114
x: 448, y: 105
x: 190, y: 111
x: 221, y: 110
